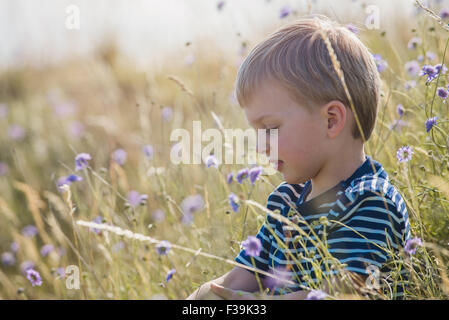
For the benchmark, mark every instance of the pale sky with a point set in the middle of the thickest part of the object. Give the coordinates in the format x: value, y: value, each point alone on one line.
x: 147, y: 29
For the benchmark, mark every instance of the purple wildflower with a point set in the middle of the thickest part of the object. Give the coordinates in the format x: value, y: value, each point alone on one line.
x: 400, y: 110
x: 14, y: 247
x: 81, y: 161
x: 26, y: 265
x: 192, y: 204
x: 73, y: 178
x: 189, y: 206
x: 414, y: 43
x: 4, y: 169
x: 352, y: 28
x: 281, y: 277
x: 211, y: 161
x: 158, y: 215
x: 412, y: 68
x: 429, y: 71
x: 430, y: 123
x: 68, y: 180
x: 412, y: 244
x: 444, y: 14
x: 404, y: 154
x: 189, y: 59
x: 431, y: 55
x: 233, y: 202
x: 163, y: 247
x: 61, y: 272
x: 120, y: 156
x: 409, y: 85
x: 167, y: 113
x: 34, y: 277
x: 441, y: 68
x: 316, y: 295
x: 252, y: 246
x: 285, y: 11
x: 64, y: 109
x: 187, y: 218
x: 62, y: 181
x: 143, y: 199
x: 398, y: 123
x: 148, y: 151
x: 242, y: 174
x: 170, y: 275
x: 442, y: 93
x: 16, y: 132
x: 8, y: 259
x: 229, y: 178
x: 254, y: 174
x: 76, y: 129
x: 220, y: 5
x: 98, y: 220
x: 380, y: 63
x: 47, y: 249
x: 135, y: 198
x: 29, y: 231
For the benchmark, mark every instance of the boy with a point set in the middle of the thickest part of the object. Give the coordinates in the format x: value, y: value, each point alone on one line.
x: 289, y: 82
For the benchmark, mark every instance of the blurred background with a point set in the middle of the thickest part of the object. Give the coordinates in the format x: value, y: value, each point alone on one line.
x: 148, y: 30
x: 112, y: 91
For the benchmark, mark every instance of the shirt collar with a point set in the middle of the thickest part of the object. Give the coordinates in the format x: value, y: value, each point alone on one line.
x: 331, y: 195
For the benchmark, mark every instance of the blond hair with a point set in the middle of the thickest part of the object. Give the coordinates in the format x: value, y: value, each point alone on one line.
x: 296, y: 55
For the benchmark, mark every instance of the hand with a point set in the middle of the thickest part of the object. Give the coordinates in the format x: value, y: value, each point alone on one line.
x: 230, y: 294
x: 204, y: 292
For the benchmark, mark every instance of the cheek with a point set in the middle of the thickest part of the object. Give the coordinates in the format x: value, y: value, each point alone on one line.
x: 290, y: 148
x: 298, y: 146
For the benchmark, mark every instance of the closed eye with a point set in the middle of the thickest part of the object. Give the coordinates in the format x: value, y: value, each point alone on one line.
x: 267, y: 131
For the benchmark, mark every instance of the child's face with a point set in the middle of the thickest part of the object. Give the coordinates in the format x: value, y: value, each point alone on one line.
x: 303, y: 145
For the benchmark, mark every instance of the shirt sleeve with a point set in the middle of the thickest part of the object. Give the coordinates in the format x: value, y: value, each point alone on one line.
x: 261, y: 261
x: 365, y: 234
x: 280, y: 199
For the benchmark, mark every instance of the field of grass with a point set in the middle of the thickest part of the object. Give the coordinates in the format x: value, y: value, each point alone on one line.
x: 104, y: 102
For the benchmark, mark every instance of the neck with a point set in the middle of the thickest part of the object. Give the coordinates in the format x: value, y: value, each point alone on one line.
x: 334, y: 171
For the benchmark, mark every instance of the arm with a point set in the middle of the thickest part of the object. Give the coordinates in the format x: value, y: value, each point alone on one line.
x: 236, y: 279
x: 232, y: 294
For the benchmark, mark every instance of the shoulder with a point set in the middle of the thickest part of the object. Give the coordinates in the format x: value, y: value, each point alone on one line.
x: 284, y: 196
x: 371, y: 189
x: 375, y: 201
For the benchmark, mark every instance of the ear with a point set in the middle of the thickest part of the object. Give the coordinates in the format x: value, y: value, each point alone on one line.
x: 335, y: 114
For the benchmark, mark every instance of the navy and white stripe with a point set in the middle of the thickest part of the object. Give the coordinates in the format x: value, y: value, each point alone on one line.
x: 366, y: 215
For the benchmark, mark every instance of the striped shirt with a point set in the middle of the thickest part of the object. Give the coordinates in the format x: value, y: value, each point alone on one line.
x: 358, y: 219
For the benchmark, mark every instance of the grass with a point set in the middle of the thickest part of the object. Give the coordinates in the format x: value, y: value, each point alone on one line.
x: 119, y: 105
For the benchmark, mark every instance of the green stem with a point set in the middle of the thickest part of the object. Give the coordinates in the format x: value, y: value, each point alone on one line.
x: 246, y: 213
x: 257, y: 276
